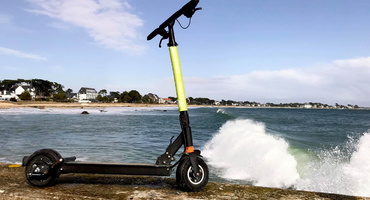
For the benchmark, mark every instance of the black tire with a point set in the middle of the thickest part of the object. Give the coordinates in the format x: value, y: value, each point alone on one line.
x: 38, y: 164
x: 180, y: 168
x: 186, y: 179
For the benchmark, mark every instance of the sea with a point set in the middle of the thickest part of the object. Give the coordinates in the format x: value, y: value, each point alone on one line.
x: 318, y: 150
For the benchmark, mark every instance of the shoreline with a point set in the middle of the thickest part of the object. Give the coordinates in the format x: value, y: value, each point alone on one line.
x: 61, y: 105
x: 13, y: 185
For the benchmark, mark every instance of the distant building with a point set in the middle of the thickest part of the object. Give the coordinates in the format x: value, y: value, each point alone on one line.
x: 86, y: 94
x: 167, y: 100
x: 15, y: 91
x: 4, y: 94
x: 72, y: 96
x: 18, y: 89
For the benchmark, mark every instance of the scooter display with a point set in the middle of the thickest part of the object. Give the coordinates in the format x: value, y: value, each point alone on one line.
x: 44, y: 166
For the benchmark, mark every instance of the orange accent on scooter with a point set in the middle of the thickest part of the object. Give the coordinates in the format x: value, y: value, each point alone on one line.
x: 189, y: 149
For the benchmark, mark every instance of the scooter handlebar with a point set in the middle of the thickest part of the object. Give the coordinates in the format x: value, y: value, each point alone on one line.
x: 152, y: 34
x: 188, y: 10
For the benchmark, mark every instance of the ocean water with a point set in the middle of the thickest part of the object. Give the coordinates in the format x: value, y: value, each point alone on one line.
x: 313, y: 150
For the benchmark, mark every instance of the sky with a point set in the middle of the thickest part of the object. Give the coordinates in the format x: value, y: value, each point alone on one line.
x: 243, y: 50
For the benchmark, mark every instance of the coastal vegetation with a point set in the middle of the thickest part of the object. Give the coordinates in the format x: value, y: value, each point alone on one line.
x: 44, y: 90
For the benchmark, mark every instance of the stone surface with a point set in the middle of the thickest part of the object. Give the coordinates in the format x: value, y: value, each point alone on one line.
x: 13, y: 185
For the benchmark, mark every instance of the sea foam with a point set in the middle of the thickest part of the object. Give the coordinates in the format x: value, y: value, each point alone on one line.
x: 242, y: 150
x: 335, y: 173
x: 359, y: 167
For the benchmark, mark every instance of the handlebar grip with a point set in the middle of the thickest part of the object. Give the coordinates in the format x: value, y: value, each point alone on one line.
x: 152, y: 34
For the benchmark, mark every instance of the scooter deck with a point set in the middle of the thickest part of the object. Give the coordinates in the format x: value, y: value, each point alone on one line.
x: 116, y: 168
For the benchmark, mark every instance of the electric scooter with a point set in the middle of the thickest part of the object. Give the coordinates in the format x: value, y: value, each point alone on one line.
x: 44, y: 166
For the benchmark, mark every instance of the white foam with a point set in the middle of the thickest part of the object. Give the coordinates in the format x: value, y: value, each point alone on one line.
x: 222, y: 111
x: 242, y: 150
x: 359, y: 167
x: 336, y: 175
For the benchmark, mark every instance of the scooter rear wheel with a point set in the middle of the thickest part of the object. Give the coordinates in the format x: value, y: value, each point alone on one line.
x: 38, y: 168
x: 186, y: 178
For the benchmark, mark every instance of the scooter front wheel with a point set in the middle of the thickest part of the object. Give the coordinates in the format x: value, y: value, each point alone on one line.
x: 185, y: 176
x: 38, y: 169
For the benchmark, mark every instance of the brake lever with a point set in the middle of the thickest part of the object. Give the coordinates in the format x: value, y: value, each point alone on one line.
x: 164, y: 35
x: 160, y: 42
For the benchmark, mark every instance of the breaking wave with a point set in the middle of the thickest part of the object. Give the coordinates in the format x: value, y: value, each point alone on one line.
x: 243, y: 150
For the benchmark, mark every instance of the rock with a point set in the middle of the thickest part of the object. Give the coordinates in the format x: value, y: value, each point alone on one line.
x: 85, y: 112
x: 13, y: 185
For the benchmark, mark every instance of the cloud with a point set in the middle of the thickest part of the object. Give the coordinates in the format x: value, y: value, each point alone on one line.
x: 12, y: 52
x: 341, y: 81
x: 5, y: 19
x: 108, y: 22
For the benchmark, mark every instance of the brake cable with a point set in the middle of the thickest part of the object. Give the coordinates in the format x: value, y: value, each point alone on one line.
x: 181, y: 24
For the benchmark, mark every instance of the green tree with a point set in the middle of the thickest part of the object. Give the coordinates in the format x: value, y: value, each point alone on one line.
x: 114, y: 95
x: 57, y: 87
x: 25, y: 96
x: 43, y: 88
x: 147, y: 99
x: 201, y: 101
x: 135, y: 96
x: 125, y: 96
x: 104, y: 99
x: 99, y: 98
x: 60, y: 96
x: 173, y: 99
x: 223, y: 102
x: 103, y: 92
x: 7, y: 83
x: 69, y: 91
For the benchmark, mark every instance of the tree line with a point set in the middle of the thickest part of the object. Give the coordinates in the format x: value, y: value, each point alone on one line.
x: 52, y: 91
x: 132, y: 96
x: 43, y: 89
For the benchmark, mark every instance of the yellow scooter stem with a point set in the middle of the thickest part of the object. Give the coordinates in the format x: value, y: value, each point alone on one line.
x: 179, y: 82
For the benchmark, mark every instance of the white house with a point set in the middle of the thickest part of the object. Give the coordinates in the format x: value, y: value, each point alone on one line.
x: 86, y: 94
x: 19, y: 89
x: 15, y: 91
x: 5, y: 95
